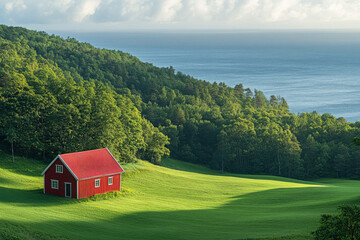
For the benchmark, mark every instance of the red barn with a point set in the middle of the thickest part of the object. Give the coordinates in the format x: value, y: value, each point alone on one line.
x: 83, y: 174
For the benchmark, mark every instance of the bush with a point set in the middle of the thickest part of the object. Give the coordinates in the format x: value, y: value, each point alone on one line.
x: 344, y: 226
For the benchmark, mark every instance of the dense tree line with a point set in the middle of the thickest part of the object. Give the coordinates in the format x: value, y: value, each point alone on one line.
x: 62, y: 95
x: 44, y: 111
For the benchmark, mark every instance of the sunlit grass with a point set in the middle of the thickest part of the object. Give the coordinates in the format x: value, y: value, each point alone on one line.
x: 177, y: 201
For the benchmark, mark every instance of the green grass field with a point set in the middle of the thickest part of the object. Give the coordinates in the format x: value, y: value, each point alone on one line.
x: 176, y: 201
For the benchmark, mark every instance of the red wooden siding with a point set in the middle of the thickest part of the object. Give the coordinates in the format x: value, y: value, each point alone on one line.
x: 87, y: 187
x: 80, y: 169
x: 66, y: 176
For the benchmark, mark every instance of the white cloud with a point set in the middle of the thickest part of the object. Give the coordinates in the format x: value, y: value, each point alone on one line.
x: 167, y: 10
x: 85, y: 8
x: 206, y: 13
x: 14, y: 4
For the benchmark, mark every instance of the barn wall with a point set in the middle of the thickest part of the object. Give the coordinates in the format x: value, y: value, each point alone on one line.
x: 66, y: 176
x: 87, y: 187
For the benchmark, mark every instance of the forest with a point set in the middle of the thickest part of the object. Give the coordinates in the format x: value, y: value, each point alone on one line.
x: 60, y: 95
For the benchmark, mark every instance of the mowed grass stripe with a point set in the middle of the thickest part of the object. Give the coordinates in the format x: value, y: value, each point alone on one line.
x: 176, y: 201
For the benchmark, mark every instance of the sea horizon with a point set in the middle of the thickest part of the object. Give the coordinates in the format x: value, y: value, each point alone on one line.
x: 312, y: 70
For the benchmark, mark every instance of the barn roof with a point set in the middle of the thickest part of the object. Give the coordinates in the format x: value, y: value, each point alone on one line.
x: 90, y: 164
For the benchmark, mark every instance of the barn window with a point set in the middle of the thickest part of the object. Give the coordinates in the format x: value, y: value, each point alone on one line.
x: 110, y: 180
x: 97, y: 183
x: 59, y: 169
x: 54, y: 184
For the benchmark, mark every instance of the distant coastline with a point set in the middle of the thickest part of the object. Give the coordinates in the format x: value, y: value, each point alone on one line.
x: 313, y: 71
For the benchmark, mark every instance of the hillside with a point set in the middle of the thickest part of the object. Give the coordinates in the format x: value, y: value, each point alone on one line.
x: 59, y: 95
x: 181, y: 201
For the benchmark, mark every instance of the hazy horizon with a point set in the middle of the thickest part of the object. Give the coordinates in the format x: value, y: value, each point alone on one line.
x: 100, y: 15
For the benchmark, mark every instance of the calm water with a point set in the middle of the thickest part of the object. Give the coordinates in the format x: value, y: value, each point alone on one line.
x: 313, y: 71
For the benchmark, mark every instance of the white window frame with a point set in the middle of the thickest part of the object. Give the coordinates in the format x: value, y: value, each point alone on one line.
x: 56, y: 182
x: 110, y: 180
x: 97, y: 181
x: 58, y: 167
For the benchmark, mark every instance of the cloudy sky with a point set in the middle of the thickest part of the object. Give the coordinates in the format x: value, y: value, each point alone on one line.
x: 100, y: 15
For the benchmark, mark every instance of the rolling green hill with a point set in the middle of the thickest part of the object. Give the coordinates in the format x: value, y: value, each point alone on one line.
x: 176, y: 201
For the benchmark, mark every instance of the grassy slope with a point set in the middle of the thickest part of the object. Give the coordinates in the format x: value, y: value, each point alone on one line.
x: 163, y: 203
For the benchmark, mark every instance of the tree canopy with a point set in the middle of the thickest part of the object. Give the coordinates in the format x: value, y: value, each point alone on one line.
x: 60, y: 95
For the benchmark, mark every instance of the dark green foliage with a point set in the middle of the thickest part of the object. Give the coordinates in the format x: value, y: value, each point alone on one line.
x: 59, y: 95
x: 356, y: 141
x: 44, y: 111
x: 345, y: 226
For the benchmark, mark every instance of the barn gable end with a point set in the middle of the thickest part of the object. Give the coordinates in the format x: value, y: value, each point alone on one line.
x: 58, y: 157
x: 65, y: 177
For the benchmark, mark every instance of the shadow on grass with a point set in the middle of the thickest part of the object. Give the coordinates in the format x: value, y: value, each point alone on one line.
x: 256, y: 215
x: 11, y: 231
x: 35, y: 198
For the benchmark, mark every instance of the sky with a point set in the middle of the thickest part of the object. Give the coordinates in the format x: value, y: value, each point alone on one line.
x: 115, y: 15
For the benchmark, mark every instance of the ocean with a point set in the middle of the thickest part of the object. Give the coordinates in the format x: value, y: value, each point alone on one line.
x: 314, y: 71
